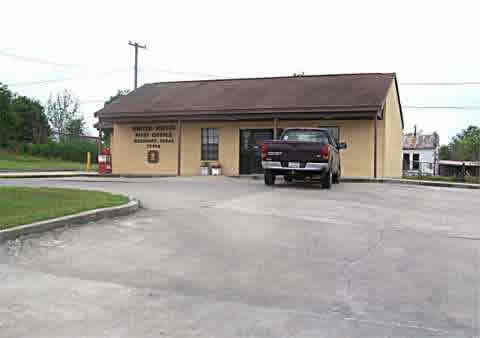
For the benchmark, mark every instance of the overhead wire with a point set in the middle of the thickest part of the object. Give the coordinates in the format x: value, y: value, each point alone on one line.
x: 36, y: 60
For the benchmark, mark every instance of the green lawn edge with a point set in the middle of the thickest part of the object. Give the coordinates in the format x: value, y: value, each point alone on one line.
x: 25, y: 205
x: 16, y: 161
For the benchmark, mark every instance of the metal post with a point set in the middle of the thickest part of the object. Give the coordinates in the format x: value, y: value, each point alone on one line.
x: 179, y: 147
x: 99, y: 141
x: 136, y: 46
x: 375, y: 148
x: 89, y: 161
x: 275, y: 127
x: 136, y: 67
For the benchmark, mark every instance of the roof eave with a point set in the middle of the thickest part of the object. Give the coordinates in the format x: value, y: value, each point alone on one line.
x: 246, y: 111
x: 398, y: 98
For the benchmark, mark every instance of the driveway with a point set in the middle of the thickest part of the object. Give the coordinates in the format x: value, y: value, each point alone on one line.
x: 226, y: 257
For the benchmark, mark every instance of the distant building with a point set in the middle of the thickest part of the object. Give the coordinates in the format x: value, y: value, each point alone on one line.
x: 420, y: 153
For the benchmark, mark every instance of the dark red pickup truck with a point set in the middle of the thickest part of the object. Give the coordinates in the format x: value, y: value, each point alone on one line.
x: 303, y: 154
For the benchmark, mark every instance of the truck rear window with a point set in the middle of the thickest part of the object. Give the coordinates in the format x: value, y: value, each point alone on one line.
x: 305, y: 136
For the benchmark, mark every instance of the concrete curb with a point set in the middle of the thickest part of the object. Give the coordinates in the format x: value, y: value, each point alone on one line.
x: 412, y: 182
x: 388, y: 181
x: 251, y: 176
x: 46, y: 175
x: 80, y: 218
x: 37, y: 170
x: 5, y: 175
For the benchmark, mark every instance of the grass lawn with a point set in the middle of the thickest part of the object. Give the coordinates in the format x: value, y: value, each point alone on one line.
x: 22, y: 205
x: 468, y: 179
x: 13, y: 161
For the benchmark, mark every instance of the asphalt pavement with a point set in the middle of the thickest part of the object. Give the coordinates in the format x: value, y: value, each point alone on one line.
x: 226, y: 257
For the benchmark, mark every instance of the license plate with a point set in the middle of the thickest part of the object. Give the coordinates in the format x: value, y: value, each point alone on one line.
x: 293, y: 164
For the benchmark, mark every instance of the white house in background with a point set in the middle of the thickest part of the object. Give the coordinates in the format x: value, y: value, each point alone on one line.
x: 420, y: 153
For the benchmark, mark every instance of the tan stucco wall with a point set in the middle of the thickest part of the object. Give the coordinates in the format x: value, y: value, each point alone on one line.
x: 228, y: 149
x: 357, y: 160
x: 131, y: 158
x: 392, y: 150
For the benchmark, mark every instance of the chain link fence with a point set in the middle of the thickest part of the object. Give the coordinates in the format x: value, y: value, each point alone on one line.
x: 453, y: 171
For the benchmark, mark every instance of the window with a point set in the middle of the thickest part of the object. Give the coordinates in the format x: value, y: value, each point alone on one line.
x: 305, y: 135
x: 406, y: 161
x: 334, y: 132
x: 209, y: 144
x: 416, y: 161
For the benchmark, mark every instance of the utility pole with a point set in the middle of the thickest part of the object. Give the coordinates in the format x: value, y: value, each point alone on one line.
x: 137, y: 46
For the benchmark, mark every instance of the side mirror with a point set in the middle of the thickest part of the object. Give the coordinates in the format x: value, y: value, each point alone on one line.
x: 342, y: 146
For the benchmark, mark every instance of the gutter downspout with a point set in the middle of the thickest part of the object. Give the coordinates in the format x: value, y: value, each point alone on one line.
x: 275, y: 127
x: 179, y: 147
x: 375, y: 147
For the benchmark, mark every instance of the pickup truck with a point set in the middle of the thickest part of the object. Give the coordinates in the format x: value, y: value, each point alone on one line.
x: 303, y: 154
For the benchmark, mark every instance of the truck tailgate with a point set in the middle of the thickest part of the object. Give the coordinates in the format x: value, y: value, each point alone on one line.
x: 296, y: 151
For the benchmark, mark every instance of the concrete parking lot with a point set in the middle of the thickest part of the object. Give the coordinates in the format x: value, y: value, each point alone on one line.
x: 226, y: 257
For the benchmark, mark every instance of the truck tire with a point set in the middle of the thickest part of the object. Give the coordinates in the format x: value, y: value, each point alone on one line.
x: 269, y: 178
x: 288, y: 179
x: 327, y: 180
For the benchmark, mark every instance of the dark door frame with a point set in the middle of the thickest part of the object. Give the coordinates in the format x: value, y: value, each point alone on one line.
x: 241, y: 166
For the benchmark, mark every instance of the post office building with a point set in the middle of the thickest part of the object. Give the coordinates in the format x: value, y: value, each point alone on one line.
x: 173, y: 128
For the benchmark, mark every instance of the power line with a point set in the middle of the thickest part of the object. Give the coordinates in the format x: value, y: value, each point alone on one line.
x: 472, y: 83
x: 136, y: 45
x: 443, y: 107
x: 93, y: 101
x: 36, y: 60
x: 41, y: 82
x: 170, y: 71
x: 33, y: 83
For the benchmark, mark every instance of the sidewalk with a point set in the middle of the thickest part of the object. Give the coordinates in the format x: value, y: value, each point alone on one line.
x: 47, y: 174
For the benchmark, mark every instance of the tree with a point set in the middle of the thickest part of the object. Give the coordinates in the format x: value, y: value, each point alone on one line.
x: 76, y: 127
x: 61, y: 110
x: 120, y: 93
x: 8, y: 120
x: 465, y: 146
x: 32, y: 124
x: 22, y: 119
x: 444, y: 152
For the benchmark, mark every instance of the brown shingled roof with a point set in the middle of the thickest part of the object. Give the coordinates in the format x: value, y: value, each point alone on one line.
x: 315, y: 93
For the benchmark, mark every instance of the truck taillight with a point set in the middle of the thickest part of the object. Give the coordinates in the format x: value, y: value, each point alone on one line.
x: 264, y: 150
x: 324, y: 152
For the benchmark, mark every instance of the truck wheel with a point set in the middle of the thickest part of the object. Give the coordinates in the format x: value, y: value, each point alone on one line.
x: 269, y: 178
x: 288, y: 179
x: 327, y: 180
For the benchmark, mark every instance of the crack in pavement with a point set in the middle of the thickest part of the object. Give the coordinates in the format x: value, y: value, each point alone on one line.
x: 358, y: 259
x: 400, y: 325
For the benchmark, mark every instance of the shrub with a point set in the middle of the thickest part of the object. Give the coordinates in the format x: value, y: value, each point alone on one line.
x: 68, y: 151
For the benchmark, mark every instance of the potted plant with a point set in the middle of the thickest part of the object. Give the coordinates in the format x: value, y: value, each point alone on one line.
x: 204, y: 169
x: 216, y: 169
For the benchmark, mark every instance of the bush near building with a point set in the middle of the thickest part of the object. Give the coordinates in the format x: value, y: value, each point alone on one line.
x: 13, y: 161
x: 75, y: 151
x: 70, y: 151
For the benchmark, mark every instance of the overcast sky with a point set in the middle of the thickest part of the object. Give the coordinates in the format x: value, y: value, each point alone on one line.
x: 83, y: 46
